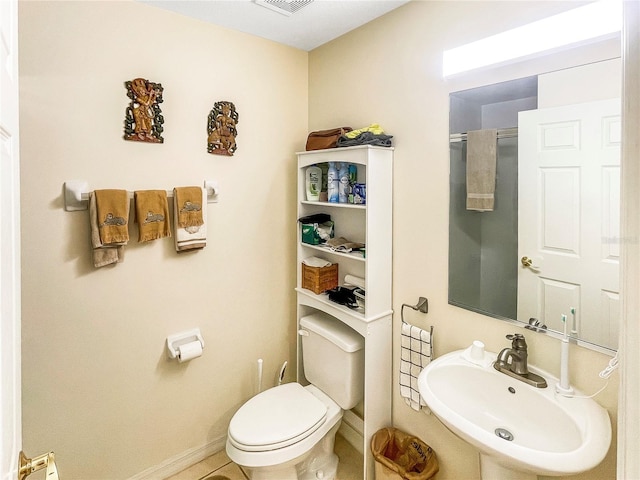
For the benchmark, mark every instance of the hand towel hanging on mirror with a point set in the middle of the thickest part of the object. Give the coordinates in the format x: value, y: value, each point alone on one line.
x: 481, y: 169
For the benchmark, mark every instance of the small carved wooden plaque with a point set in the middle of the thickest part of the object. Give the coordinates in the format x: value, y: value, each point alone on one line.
x: 221, y: 127
x: 143, y: 120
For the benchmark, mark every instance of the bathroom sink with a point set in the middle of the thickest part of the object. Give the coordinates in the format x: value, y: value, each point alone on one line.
x: 514, y: 425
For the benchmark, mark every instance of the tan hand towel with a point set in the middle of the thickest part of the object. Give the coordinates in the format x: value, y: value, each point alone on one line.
x: 102, y: 254
x: 481, y: 169
x: 152, y: 214
x: 113, y: 215
x: 191, y: 238
x: 188, y: 203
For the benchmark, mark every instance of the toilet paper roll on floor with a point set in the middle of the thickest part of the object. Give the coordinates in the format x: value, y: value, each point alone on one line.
x: 189, y: 351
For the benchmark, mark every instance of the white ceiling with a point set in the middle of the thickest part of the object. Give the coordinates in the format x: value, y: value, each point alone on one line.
x: 308, y: 28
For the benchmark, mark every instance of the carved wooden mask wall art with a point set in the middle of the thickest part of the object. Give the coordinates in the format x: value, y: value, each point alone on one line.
x: 143, y: 120
x: 221, y: 127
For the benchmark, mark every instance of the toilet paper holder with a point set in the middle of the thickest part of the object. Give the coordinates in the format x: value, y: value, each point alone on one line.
x: 175, y: 341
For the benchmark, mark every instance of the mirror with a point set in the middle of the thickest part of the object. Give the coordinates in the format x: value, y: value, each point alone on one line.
x: 546, y: 252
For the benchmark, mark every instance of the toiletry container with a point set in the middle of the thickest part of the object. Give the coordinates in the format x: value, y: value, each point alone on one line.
x: 333, y: 183
x: 353, y: 178
x: 313, y: 183
x: 343, y: 187
x: 324, y: 195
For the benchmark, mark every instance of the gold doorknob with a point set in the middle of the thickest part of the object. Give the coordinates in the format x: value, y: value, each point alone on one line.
x: 526, y: 261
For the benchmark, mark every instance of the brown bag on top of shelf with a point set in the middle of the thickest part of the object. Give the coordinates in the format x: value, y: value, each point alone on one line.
x: 322, y: 139
x: 399, y: 455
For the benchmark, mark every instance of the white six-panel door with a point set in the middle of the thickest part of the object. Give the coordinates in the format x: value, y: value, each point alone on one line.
x: 568, y: 218
x: 10, y: 425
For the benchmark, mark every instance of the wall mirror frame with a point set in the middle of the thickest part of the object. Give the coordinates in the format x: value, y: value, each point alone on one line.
x: 486, y: 271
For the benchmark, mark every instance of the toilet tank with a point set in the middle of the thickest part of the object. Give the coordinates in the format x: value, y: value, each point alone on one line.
x: 333, y: 358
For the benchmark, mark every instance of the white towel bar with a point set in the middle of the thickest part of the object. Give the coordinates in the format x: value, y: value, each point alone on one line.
x: 76, y: 194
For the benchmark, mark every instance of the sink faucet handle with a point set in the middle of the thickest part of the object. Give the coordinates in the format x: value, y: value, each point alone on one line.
x: 518, y: 341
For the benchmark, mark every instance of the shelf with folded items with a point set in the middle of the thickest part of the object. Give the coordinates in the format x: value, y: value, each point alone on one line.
x: 335, y: 205
x: 357, y: 255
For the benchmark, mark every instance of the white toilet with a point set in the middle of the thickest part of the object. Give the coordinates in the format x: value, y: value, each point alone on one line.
x: 287, y: 432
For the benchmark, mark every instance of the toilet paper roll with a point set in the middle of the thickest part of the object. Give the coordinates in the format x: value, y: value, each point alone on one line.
x: 353, y: 280
x: 189, y: 351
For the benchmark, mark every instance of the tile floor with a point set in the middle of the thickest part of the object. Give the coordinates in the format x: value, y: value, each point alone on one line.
x: 349, y: 468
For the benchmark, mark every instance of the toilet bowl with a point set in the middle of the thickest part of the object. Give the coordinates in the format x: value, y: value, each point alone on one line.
x: 288, y: 432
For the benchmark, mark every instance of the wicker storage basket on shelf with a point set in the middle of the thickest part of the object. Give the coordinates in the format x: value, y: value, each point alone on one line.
x: 319, y: 279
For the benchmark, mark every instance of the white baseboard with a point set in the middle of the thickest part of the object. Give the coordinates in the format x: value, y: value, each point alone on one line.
x: 181, y: 461
x: 351, y: 429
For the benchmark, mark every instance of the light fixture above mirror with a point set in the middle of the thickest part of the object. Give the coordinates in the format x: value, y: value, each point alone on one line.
x: 590, y: 23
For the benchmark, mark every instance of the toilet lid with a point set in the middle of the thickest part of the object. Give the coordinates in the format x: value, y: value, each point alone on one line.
x: 276, y: 418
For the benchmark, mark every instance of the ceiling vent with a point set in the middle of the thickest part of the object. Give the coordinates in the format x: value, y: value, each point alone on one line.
x: 284, y: 7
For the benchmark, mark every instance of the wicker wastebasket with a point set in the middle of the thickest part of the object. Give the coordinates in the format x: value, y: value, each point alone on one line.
x: 399, y: 455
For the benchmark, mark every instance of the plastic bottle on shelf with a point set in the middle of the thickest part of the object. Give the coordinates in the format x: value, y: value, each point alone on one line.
x: 343, y: 187
x: 324, y: 195
x: 313, y: 183
x: 353, y: 178
x: 333, y: 183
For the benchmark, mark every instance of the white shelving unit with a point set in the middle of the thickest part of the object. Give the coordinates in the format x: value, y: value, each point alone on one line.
x: 372, y: 225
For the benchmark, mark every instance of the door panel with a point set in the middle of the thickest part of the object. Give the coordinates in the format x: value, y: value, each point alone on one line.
x: 569, y: 217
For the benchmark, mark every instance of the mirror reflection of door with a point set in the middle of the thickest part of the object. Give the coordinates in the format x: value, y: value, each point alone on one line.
x: 569, y: 202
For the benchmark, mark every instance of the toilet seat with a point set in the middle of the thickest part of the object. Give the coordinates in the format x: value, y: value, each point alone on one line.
x: 276, y: 418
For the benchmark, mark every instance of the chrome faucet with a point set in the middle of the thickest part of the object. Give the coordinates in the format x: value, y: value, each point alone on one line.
x: 513, y: 362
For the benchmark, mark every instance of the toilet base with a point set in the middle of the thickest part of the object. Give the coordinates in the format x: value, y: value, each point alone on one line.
x: 304, y: 467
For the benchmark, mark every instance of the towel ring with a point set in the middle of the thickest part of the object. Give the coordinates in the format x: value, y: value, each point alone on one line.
x: 421, y: 306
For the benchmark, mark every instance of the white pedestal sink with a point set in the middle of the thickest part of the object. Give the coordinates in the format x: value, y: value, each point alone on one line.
x: 521, y: 431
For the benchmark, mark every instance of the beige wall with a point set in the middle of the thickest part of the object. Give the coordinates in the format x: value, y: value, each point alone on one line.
x: 97, y: 387
x: 389, y: 72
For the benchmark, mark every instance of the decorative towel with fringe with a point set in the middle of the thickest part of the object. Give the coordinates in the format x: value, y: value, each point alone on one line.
x: 152, y: 214
x: 112, y: 207
x: 416, y: 350
x: 194, y: 237
x: 103, y: 254
x: 188, y: 206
